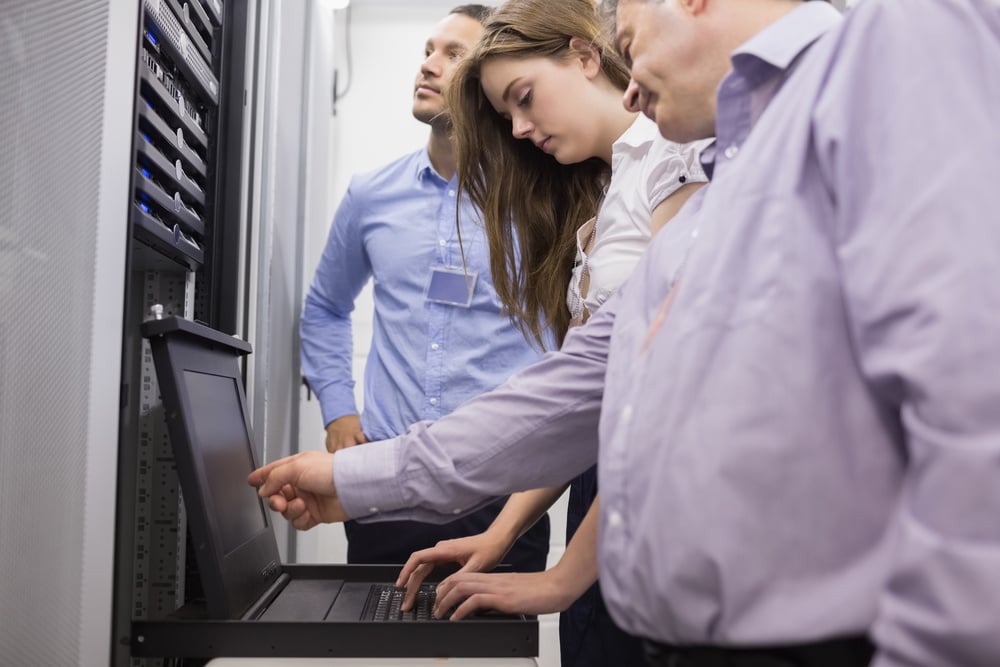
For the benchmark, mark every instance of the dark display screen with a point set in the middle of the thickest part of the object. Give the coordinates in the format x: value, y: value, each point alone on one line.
x: 223, y: 443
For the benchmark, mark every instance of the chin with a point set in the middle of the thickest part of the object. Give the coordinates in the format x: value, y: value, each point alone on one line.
x: 564, y: 157
x: 668, y: 131
x: 425, y: 115
x: 673, y: 131
x: 426, y: 107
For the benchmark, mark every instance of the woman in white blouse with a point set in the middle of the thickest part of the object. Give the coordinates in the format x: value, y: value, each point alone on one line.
x: 571, y: 186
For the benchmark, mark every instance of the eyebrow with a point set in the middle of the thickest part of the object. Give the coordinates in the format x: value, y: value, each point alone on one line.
x: 506, y: 91
x: 448, y: 46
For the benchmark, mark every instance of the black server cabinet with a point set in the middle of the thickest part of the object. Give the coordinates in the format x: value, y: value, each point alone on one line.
x: 184, y: 253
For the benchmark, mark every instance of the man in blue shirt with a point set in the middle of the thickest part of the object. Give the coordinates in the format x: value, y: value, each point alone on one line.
x: 439, y: 335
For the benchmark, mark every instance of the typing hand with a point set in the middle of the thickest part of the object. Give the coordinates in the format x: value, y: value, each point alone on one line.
x: 477, y: 553
x: 509, y: 593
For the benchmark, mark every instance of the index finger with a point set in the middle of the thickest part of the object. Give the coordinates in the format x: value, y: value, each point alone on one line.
x: 416, y: 559
x: 258, y: 476
x: 413, y: 584
x: 270, y: 479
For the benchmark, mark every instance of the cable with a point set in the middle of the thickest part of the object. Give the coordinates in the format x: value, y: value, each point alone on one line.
x: 337, y: 94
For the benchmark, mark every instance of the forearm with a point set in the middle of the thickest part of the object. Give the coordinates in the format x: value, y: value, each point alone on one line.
x: 325, y: 327
x: 536, y: 430
x: 577, y: 569
x: 522, y: 510
x: 327, y: 349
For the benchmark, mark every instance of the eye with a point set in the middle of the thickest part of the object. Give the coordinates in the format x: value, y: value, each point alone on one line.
x: 524, y: 100
x: 627, y: 57
x: 456, y: 55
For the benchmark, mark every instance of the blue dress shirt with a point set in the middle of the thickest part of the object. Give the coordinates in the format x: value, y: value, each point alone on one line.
x: 393, y: 225
x: 803, y: 441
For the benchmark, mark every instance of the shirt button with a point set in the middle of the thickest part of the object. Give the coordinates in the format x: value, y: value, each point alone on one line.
x: 451, y: 193
x: 731, y: 152
x: 442, y: 243
x: 373, y: 510
x: 626, y: 413
x: 435, y: 346
x: 614, y: 519
x: 456, y: 511
x: 433, y: 401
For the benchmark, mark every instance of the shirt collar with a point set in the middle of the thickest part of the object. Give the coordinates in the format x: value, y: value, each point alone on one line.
x: 760, y: 66
x: 637, y: 134
x: 426, y: 170
x: 707, y: 159
x: 424, y: 166
x: 777, y: 46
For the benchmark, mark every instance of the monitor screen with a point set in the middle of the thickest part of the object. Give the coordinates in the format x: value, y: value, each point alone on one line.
x: 222, y: 440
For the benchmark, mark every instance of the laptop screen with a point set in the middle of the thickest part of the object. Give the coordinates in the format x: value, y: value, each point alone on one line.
x: 198, y: 370
x: 222, y: 440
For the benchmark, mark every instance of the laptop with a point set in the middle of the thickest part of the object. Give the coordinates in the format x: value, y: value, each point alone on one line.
x: 253, y: 604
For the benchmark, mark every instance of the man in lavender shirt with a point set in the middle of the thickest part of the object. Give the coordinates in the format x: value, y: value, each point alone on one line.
x: 799, y: 410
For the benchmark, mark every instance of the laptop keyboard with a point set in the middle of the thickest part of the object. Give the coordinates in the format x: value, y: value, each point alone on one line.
x: 385, y: 600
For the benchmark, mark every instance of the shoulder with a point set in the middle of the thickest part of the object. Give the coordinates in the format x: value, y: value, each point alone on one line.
x: 401, y: 173
x: 642, y: 147
x: 885, y: 52
x: 895, y: 16
x: 660, y: 166
x: 685, y: 157
x: 886, y: 35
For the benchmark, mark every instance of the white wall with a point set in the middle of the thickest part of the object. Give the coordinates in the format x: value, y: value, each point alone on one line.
x: 373, y: 126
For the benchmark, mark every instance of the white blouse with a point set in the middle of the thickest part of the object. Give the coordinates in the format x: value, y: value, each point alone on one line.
x: 645, y: 170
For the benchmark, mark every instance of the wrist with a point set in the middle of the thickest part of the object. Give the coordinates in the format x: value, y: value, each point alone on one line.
x: 502, y: 534
x: 569, y: 584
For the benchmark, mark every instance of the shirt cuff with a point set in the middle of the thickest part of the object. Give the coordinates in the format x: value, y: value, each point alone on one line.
x: 366, y: 477
x: 336, y: 402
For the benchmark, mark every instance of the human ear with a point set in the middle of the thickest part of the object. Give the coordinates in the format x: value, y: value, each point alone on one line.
x: 587, y: 55
x: 693, y: 7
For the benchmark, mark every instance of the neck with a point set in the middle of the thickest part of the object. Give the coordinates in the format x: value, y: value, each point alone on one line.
x: 619, y: 120
x: 441, y: 150
x: 746, y: 19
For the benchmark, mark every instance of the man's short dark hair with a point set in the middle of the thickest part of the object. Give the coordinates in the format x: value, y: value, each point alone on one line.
x: 477, y: 12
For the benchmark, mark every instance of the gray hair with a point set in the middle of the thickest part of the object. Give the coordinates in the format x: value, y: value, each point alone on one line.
x: 609, y: 12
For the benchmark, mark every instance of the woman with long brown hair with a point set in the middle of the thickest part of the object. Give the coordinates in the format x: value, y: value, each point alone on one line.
x: 571, y: 186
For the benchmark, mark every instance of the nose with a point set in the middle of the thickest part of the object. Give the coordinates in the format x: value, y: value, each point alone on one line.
x: 431, y: 67
x: 630, y: 100
x: 521, y: 127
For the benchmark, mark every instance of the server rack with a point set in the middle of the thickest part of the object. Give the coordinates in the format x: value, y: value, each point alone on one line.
x: 183, y: 254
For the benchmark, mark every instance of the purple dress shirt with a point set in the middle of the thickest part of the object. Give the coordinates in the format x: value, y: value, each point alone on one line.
x: 802, y: 440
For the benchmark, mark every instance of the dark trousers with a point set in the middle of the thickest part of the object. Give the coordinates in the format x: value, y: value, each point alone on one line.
x: 844, y: 652
x: 392, y: 542
x: 588, y: 637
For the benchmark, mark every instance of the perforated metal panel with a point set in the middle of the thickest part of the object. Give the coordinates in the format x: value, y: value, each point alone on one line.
x: 160, y: 523
x: 52, y: 85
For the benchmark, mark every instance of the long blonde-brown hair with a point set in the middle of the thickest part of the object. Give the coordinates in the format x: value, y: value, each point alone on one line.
x: 531, y: 204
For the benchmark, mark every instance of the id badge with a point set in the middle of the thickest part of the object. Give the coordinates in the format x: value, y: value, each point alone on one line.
x: 451, y: 285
